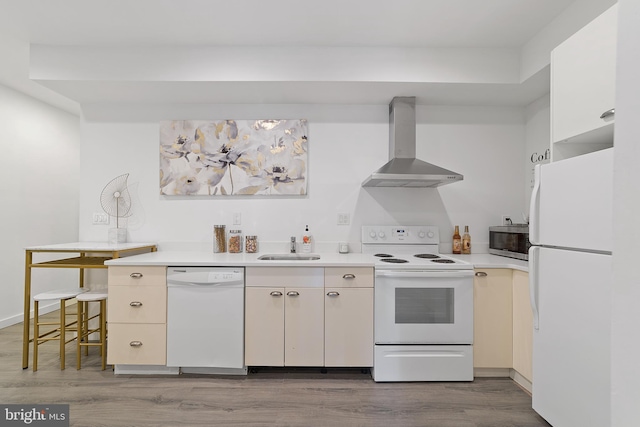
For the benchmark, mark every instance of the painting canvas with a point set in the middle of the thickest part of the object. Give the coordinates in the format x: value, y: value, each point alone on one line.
x: 233, y: 157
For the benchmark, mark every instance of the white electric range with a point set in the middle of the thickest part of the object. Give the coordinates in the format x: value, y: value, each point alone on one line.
x: 423, y: 312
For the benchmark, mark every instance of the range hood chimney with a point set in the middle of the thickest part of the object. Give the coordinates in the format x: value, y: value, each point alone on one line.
x: 403, y: 169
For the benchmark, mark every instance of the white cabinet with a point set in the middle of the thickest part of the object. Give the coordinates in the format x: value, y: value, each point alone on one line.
x: 309, y: 317
x: 304, y: 326
x: 492, y: 315
x: 137, y: 314
x: 264, y: 326
x: 522, y: 326
x: 284, y: 316
x: 583, y: 88
x: 348, y: 317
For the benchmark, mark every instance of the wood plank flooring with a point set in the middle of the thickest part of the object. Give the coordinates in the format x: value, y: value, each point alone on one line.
x: 270, y: 397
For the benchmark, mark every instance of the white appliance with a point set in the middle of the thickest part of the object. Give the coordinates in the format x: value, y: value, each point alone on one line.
x: 205, y: 319
x: 423, y: 316
x: 570, y: 273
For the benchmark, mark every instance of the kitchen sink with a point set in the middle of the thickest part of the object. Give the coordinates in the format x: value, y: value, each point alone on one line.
x: 289, y: 257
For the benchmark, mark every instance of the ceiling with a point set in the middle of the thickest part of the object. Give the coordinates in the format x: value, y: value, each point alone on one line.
x: 407, y: 23
x: 334, y: 23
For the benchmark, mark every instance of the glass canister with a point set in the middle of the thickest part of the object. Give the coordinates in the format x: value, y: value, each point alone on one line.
x: 219, y: 239
x: 235, y: 241
x: 251, y: 245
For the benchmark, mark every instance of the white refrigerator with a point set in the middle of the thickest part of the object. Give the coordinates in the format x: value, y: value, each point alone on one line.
x: 570, y: 275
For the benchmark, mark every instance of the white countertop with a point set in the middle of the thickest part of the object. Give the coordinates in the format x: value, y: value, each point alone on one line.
x: 327, y: 259
x: 493, y: 261
x: 201, y: 258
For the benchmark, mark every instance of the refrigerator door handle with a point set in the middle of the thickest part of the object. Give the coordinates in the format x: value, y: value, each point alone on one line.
x: 534, y: 252
x: 534, y: 207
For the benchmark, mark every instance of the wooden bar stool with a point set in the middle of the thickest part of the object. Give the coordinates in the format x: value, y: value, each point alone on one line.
x: 60, y: 327
x: 83, y: 325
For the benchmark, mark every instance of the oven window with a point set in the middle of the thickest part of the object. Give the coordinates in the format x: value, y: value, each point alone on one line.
x: 424, y: 305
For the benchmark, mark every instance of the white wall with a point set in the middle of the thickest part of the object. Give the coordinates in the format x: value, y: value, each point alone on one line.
x: 346, y: 144
x: 625, y: 345
x: 39, y: 168
x: 537, y: 135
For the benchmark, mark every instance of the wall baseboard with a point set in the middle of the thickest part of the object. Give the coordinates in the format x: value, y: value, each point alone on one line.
x: 491, y: 372
x: 521, y: 381
x: 13, y: 320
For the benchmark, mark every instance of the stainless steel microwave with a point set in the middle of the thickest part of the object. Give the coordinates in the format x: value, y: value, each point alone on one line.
x: 510, y: 240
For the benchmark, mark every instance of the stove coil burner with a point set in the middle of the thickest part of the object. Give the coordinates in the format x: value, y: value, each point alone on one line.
x: 384, y: 255
x: 443, y: 261
x: 427, y: 256
x: 394, y: 260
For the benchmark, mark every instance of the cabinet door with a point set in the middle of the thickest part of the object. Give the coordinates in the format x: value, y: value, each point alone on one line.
x: 137, y: 344
x: 583, y: 72
x: 304, y: 327
x: 137, y: 304
x: 264, y: 327
x: 492, y: 315
x: 348, y: 327
x: 522, y: 325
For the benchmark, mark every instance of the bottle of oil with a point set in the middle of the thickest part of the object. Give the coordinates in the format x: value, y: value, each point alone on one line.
x: 457, y: 241
x: 466, y: 241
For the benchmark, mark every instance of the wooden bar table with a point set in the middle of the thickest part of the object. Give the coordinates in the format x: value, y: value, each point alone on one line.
x: 89, y: 255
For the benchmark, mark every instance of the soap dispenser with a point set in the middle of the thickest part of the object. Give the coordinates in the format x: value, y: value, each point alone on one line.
x: 306, y: 240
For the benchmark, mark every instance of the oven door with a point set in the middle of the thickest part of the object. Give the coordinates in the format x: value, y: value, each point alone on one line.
x: 424, y: 307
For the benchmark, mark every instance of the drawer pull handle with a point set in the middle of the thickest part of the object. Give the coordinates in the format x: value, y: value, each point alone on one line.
x: 349, y: 276
x: 276, y: 294
x: 135, y: 304
x: 293, y: 293
x: 333, y: 294
x: 135, y: 343
x: 481, y: 274
x: 608, y: 113
x: 135, y: 275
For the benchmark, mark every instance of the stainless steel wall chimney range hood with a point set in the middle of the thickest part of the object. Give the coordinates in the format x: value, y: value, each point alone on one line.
x: 403, y: 169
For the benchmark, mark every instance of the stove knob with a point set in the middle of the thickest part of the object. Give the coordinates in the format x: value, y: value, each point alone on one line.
x: 431, y: 234
x: 421, y: 234
x: 381, y: 234
x: 372, y: 234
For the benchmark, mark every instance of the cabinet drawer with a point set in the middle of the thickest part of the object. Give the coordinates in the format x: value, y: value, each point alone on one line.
x: 137, y: 304
x: 348, y: 277
x: 137, y: 344
x: 137, y: 276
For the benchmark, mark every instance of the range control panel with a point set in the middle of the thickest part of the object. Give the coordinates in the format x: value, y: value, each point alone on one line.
x: 400, y: 234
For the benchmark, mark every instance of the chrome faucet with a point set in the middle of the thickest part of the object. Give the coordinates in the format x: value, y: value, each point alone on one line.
x: 293, y: 244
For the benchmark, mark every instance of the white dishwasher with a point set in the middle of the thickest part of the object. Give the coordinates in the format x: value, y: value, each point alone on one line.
x: 205, y: 319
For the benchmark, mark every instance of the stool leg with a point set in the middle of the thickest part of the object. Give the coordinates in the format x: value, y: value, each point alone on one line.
x: 63, y: 328
x: 103, y: 333
x: 36, y: 333
x: 79, y: 326
x: 85, y: 311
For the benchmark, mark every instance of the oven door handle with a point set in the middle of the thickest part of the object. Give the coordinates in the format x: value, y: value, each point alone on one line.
x: 424, y: 273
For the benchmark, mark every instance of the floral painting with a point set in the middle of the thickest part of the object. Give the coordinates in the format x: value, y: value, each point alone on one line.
x: 233, y: 157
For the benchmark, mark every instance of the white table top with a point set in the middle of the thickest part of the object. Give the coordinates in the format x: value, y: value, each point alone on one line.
x: 89, y: 247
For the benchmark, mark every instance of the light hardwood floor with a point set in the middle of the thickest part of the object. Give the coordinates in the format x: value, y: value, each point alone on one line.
x: 270, y: 397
